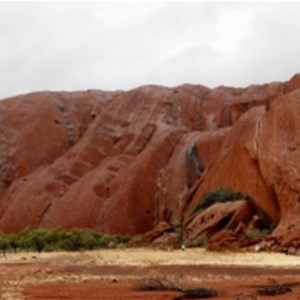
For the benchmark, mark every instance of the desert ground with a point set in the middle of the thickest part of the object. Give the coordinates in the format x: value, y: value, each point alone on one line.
x: 119, y: 274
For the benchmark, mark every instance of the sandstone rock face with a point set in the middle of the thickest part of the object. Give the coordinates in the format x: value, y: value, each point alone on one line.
x: 236, y: 166
x: 160, y: 229
x: 37, y: 129
x: 260, y: 158
x: 107, y: 178
x: 122, y: 162
x: 279, y: 155
x: 192, y: 155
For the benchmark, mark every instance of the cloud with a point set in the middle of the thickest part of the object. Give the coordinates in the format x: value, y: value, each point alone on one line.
x: 82, y: 45
x: 271, y: 53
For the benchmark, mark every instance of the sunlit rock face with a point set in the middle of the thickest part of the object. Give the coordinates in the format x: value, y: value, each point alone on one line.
x: 124, y: 161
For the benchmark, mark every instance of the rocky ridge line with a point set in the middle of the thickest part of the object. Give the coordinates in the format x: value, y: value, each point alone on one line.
x: 123, y: 162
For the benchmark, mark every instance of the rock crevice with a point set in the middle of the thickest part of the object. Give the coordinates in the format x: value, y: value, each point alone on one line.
x: 126, y: 161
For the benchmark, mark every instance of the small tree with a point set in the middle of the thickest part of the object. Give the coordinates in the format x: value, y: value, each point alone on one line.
x: 121, y: 239
x: 4, y: 243
x: 102, y: 240
x: 13, y: 240
x: 38, y: 239
x: 23, y: 240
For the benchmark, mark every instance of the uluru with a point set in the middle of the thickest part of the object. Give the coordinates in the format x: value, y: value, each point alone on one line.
x: 142, y: 161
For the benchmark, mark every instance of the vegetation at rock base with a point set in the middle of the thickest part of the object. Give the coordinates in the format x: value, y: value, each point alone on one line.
x: 4, y: 243
x: 264, y: 221
x: 58, y: 239
x: 178, y: 228
x: 239, y: 229
x: 257, y: 234
x: 201, y: 241
x: 220, y: 195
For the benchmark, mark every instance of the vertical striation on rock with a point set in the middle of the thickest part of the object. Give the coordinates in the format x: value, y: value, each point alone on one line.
x: 123, y: 162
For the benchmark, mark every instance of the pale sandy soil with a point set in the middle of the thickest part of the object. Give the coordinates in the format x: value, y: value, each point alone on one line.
x: 113, y: 274
x: 146, y: 256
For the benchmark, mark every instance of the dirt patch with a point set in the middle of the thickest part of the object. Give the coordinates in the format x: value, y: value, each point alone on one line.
x: 105, y: 274
x: 93, y: 290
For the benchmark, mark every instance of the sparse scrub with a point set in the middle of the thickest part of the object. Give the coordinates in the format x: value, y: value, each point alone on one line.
x: 4, y: 243
x: 264, y: 221
x: 244, y: 296
x: 13, y: 240
x: 257, y: 234
x: 58, y: 239
x: 198, y: 293
x: 178, y: 228
x: 274, y: 290
x: 157, y: 284
x: 121, y: 239
x: 201, y: 241
x: 178, y: 223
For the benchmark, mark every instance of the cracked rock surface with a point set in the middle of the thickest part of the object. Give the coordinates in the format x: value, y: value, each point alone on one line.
x: 124, y: 161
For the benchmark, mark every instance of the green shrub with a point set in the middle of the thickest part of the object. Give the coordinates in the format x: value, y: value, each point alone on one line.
x: 121, y: 239
x: 178, y: 223
x: 13, y: 240
x: 38, y: 239
x: 220, y: 195
x: 103, y: 240
x: 257, y: 234
x: 59, y: 239
x: 24, y: 240
x: 4, y: 243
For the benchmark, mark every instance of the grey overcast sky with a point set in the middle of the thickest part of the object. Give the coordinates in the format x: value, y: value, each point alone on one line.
x: 121, y: 45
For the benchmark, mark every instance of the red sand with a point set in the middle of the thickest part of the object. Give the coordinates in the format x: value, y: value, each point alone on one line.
x: 81, y: 276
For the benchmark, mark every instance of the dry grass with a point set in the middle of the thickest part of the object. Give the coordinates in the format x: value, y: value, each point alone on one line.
x: 148, y: 256
x: 157, y: 283
x: 274, y: 290
x: 198, y: 293
x: 245, y: 296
